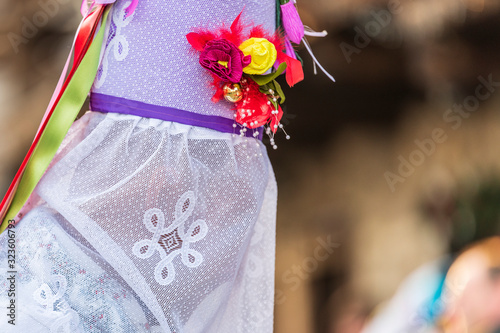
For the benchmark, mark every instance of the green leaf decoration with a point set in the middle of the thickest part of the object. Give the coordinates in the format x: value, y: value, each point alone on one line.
x: 276, y: 87
x: 279, y: 91
x: 299, y: 58
x: 262, y: 80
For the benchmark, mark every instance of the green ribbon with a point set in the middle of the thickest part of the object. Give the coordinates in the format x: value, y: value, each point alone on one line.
x: 58, y: 125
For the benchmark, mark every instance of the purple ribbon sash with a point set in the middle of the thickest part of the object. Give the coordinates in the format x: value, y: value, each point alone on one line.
x: 112, y: 104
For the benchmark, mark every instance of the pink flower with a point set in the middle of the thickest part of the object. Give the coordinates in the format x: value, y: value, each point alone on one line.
x: 292, y: 23
x: 224, y: 59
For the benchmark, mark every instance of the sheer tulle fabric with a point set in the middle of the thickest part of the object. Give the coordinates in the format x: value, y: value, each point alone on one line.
x: 148, y: 226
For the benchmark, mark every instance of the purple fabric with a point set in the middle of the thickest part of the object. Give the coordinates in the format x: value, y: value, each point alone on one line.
x: 85, y: 7
x: 112, y: 104
x: 223, y: 50
x: 294, y: 28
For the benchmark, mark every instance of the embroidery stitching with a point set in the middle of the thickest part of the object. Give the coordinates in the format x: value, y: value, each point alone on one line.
x: 115, y: 41
x: 172, y: 240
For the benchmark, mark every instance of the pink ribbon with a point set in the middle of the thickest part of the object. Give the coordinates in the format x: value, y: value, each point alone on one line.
x: 84, y: 9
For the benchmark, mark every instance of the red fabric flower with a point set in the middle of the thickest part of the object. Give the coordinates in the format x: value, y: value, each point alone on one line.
x: 224, y: 59
x: 255, y: 109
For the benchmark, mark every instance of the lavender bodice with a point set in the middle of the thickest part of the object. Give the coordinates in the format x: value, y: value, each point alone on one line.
x: 147, y: 58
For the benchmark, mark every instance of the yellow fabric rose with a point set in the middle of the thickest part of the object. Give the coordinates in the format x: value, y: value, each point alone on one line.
x: 263, y: 55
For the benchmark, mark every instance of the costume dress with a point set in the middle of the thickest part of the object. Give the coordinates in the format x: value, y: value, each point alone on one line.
x: 147, y: 224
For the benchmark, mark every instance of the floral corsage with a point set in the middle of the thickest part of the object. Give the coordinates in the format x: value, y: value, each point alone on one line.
x: 244, y: 62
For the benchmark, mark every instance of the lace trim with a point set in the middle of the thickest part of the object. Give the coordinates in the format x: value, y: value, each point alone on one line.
x: 172, y: 240
x: 54, y: 305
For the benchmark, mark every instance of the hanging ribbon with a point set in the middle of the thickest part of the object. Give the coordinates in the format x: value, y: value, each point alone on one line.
x: 62, y: 112
x: 85, y: 8
x: 295, y: 32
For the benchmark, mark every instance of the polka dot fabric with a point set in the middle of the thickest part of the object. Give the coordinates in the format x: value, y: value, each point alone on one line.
x: 148, y: 59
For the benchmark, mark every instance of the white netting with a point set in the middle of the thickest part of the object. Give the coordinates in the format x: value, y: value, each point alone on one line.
x: 146, y: 224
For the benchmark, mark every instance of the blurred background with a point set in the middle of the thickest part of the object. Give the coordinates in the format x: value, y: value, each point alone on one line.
x: 392, y: 169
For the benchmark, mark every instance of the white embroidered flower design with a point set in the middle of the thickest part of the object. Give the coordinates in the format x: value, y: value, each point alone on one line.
x: 63, y: 318
x: 115, y: 42
x: 172, y: 240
